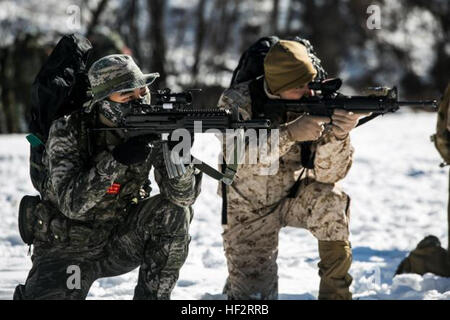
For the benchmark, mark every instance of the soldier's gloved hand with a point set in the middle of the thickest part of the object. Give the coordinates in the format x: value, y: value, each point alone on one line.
x: 185, y: 143
x: 307, y: 128
x: 134, y: 150
x: 343, y: 122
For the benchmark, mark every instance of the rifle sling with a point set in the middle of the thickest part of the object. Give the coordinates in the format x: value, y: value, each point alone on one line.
x: 307, y: 160
x: 225, y: 177
x: 210, y: 171
x: 224, y: 199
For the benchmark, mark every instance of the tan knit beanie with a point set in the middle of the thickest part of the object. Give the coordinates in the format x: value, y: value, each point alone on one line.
x: 288, y: 66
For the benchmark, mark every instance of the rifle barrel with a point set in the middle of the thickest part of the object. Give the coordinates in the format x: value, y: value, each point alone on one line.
x: 432, y: 103
x: 252, y: 124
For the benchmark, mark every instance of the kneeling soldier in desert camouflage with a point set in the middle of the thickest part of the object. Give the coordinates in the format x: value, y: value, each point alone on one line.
x: 258, y: 206
x: 96, y: 216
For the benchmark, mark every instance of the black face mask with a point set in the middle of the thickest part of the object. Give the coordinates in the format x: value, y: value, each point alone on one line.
x: 114, y: 112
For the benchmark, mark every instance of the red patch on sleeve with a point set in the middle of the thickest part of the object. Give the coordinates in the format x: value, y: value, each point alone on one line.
x: 114, y: 189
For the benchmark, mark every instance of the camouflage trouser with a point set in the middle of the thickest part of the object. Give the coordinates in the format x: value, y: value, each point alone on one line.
x: 251, y: 237
x: 154, y: 237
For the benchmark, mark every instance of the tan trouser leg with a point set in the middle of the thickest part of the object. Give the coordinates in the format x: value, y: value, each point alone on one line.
x: 323, y: 209
x: 251, y: 249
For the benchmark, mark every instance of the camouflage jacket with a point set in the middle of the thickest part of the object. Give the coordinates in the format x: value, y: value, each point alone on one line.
x: 333, y: 159
x: 79, y: 185
x: 442, y: 136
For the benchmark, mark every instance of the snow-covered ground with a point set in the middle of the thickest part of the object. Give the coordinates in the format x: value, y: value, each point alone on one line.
x: 399, y: 195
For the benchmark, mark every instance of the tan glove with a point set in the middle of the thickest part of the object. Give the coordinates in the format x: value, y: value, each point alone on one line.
x: 344, y: 121
x: 306, y: 128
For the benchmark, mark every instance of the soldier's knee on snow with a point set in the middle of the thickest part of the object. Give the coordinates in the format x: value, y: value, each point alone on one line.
x: 166, y: 252
x: 323, y: 189
x: 329, y: 209
x: 160, y: 216
x: 328, y: 195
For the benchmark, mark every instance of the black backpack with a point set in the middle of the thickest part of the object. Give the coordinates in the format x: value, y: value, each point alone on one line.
x: 60, y: 88
x: 251, y: 63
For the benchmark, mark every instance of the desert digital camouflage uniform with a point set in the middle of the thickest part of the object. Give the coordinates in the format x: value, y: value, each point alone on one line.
x: 259, y: 206
x: 96, y: 214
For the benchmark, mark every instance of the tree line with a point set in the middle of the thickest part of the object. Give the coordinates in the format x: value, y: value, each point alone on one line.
x: 197, y: 43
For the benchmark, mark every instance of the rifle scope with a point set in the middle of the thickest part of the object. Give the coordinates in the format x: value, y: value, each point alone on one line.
x: 161, y: 97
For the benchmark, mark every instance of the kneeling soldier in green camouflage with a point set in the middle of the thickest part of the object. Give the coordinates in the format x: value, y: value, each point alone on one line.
x: 96, y: 218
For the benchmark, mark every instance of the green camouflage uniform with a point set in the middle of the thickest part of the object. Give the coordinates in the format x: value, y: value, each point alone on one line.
x: 258, y: 206
x: 96, y: 214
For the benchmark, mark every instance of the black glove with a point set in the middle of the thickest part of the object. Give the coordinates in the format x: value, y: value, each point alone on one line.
x: 134, y: 150
x: 172, y: 144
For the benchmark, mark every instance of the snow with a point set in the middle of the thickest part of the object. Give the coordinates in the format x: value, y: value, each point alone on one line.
x: 399, y: 196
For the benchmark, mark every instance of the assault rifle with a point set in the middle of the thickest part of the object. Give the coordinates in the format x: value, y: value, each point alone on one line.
x: 171, y: 111
x: 379, y: 101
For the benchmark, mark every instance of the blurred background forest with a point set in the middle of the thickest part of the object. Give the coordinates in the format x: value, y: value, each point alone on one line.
x: 197, y: 43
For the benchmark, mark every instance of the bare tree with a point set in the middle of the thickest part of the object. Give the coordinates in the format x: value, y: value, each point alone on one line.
x: 293, y: 13
x: 200, y: 37
x: 440, y: 10
x: 184, y: 19
x: 223, y: 18
x: 274, y: 16
x: 134, y: 37
x: 96, y: 16
x: 3, y: 91
x: 229, y: 16
x: 157, y: 40
x: 324, y: 27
